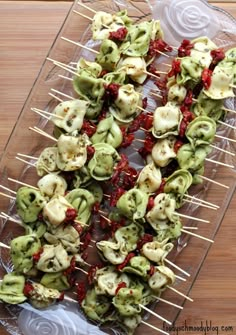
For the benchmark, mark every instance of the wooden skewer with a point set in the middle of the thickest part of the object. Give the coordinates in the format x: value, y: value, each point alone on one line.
x: 83, y: 15
x: 155, y: 94
x: 41, y: 132
x: 82, y: 270
x: 201, y: 201
x: 7, y: 196
x: 169, y: 65
x: 219, y: 163
x: 64, y: 77
x: 153, y: 327
x: 55, y: 97
x: 63, y: 94
x: 45, y: 112
x: 180, y: 293
x: 162, y: 53
x: 228, y: 110
x: 200, y: 204
x: 142, y: 109
x: 2, y: 245
x: 24, y: 161
x: 190, y: 228
x: 223, y: 150
x: 155, y: 314
x: 213, y: 181
x: 7, y: 189
x: 154, y: 75
x: 196, y: 235
x: 5, y: 216
x: 177, y: 267
x: 27, y: 156
x: 226, y: 124
x: 80, y: 45
x: 83, y: 5
x: 191, y: 217
x: 180, y: 278
x: 168, y: 302
x: 226, y: 138
x: 43, y: 115
x: 63, y: 66
x: 21, y: 183
x: 69, y: 299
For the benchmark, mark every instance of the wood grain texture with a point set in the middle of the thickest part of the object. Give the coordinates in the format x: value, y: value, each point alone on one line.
x: 28, y: 29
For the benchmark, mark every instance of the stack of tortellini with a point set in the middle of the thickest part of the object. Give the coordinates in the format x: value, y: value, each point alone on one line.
x: 74, y: 173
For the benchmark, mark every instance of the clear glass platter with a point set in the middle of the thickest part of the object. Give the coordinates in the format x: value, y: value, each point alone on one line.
x: 180, y: 19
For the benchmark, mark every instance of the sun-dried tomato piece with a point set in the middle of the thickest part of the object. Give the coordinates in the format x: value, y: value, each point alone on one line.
x: 126, y: 261
x: 96, y: 207
x: 92, y: 272
x: 185, y: 48
x: 37, y: 255
x: 152, y: 69
x: 175, y: 68
x: 71, y: 268
x: 206, y: 78
x: 61, y: 297
x: 77, y: 227
x: 119, y: 35
x: 115, y: 196
x: 161, y: 83
x: 150, y: 204
x: 28, y: 288
x: 217, y: 56
x: 161, y: 187
x: 71, y: 214
x: 151, y: 271
x: 136, y: 123
x: 119, y: 286
x: 85, y: 239
x: 178, y: 144
x: 188, y: 100
x: 143, y: 240
x: 144, y: 102
x: 90, y: 152
x: 129, y: 178
x: 111, y: 92
x: 148, y: 121
x: 158, y: 45
x: 81, y: 291
x: 88, y: 128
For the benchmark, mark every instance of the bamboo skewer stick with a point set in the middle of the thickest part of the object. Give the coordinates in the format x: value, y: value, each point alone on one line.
x: 55, y: 97
x: 223, y: 150
x: 176, y: 267
x: 226, y: 124
x: 191, y: 217
x: 5, y: 216
x: 88, y: 8
x: 190, y: 228
x: 21, y: 183
x: 41, y: 132
x: 153, y: 327
x: 213, y: 181
x: 219, y: 163
x: 196, y: 235
x: 168, y: 302
x: 27, y: 156
x: 63, y: 94
x: 45, y: 112
x: 80, y: 45
x: 64, y: 77
x: 155, y: 314
x: 2, y: 245
x: 180, y: 293
x: 225, y: 138
x: 7, y: 196
x: 199, y: 204
x: 24, y: 161
x: 201, y: 201
x: 7, y: 189
x: 83, y: 15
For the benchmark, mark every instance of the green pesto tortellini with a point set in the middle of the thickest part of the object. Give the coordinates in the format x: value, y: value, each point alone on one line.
x: 42, y: 297
x: 51, y: 184
x: 107, y: 280
x: 192, y: 159
x: 149, y: 179
x: 201, y: 131
x: 53, y: 258
x: 162, y: 277
x: 29, y: 203
x: 157, y: 251
x: 178, y: 182
x: 96, y: 190
x: 88, y: 87
x: 137, y: 40
x: 133, y: 204
x: 55, y: 280
x: 91, y: 68
x: 201, y: 51
x: 55, y: 210
x: 22, y: 250
x: 191, y: 71
x: 69, y: 115
x: 161, y: 214
x: 72, y: 152
x: 116, y: 77
x: 166, y: 120
x: 111, y: 251
x: 163, y: 151
x: 37, y: 228
x: 172, y: 232
x: 82, y: 200
x: 125, y: 107
x: 96, y: 306
x: 109, y: 55
x: 47, y: 161
x: 139, y: 266
x: 108, y: 132
x: 177, y: 93
x: 135, y: 68
x: 101, y: 165
x: 66, y: 235
x: 221, y: 83
x: 12, y: 289
x: 81, y: 177
x: 128, y: 299
x: 205, y: 106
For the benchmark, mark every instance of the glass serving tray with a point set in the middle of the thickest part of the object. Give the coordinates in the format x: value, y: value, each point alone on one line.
x: 180, y: 19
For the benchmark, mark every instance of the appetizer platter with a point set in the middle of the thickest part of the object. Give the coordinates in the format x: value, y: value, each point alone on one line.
x: 108, y: 178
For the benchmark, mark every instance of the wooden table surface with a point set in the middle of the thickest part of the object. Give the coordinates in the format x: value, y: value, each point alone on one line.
x: 27, y: 30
